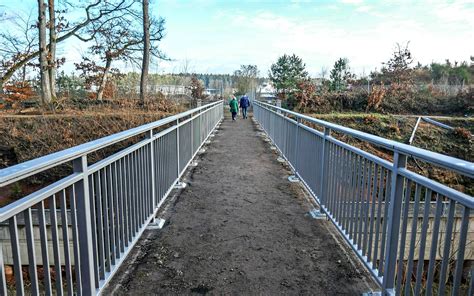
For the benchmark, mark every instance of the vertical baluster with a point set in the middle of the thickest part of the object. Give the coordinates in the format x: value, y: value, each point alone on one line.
x: 401, y: 257
x: 462, y: 249
x: 3, y: 280
x: 359, y: 208
x: 434, y: 244
x: 121, y: 196
x: 105, y: 215
x: 447, y: 247
x: 388, y: 185
x: 422, y: 245
x: 75, y: 240
x: 355, y: 183
x: 92, y: 197
x: 116, y: 208
x: 366, y: 208
x: 111, y: 210
x: 379, y: 216
x: 30, y: 243
x: 414, y: 227
x: 372, y: 212
x: 101, y: 252
x: 55, y: 238
x: 15, y: 243
x: 65, y: 231
x: 44, y: 248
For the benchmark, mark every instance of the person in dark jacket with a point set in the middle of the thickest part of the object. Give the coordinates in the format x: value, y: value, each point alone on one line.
x: 234, y: 107
x: 244, y: 104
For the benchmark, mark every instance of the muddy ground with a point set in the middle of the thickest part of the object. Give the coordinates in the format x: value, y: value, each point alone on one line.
x: 240, y: 228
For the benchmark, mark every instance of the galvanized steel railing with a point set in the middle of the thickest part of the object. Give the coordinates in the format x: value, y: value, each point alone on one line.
x: 411, y: 232
x: 71, y: 236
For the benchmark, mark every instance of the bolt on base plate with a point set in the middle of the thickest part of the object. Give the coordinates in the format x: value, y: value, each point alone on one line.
x: 281, y: 159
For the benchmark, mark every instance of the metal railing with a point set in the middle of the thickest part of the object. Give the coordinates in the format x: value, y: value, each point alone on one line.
x: 71, y: 236
x: 411, y: 232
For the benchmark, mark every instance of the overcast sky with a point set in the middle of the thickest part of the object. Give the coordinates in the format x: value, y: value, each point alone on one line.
x: 216, y: 36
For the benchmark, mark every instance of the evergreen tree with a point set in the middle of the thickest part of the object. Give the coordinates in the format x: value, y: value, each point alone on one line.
x: 340, y: 74
x: 286, y: 73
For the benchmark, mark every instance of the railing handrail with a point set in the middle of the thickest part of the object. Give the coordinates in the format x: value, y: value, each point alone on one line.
x: 22, y: 170
x: 458, y: 165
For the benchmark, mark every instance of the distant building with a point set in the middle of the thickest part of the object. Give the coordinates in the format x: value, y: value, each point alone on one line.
x: 266, y: 92
x: 211, y: 91
x: 173, y: 89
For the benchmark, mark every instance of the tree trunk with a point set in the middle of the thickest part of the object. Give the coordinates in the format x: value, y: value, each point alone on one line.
x: 146, y: 51
x: 52, y: 49
x: 43, y: 54
x: 103, y: 83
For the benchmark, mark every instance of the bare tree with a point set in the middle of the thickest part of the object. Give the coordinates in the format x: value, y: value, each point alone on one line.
x: 246, y: 78
x: 20, y: 40
x: 100, y: 12
x: 43, y: 53
x: 119, y: 39
x: 52, y: 49
x: 146, y: 50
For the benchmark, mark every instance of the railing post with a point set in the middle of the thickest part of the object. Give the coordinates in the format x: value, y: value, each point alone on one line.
x: 149, y: 135
x: 298, y: 121
x: 84, y: 227
x: 278, y: 104
x: 393, y: 224
x: 324, y: 166
x: 177, y: 147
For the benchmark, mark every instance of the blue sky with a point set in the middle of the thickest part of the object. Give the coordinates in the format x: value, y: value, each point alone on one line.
x: 216, y: 36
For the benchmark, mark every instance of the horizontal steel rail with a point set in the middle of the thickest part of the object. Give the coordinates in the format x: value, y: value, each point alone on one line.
x: 83, y: 226
x: 410, y: 231
x: 34, y: 166
x: 457, y: 165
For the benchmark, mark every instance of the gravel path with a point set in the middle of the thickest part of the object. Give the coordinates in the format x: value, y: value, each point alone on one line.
x: 240, y: 228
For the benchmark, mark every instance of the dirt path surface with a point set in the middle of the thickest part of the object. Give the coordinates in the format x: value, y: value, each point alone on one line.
x: 240, y: 228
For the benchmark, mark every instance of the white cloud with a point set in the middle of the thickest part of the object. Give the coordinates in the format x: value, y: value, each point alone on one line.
x: 351, y: 1
x: 260, y: 37
x: 364, y: 8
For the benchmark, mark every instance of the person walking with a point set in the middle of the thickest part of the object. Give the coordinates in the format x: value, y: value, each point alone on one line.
x: 244, y: 104
x: 234, y: 107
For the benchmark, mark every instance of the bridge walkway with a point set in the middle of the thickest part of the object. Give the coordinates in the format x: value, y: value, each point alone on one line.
x: 240, y: 227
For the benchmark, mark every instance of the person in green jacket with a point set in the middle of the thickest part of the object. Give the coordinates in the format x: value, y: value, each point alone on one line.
x: 234, y: 107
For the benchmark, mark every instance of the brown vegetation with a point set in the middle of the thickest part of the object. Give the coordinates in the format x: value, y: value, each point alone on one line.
x: 458, y: 143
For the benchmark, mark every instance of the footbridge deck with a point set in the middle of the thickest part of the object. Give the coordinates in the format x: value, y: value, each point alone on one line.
x: 354, y: 222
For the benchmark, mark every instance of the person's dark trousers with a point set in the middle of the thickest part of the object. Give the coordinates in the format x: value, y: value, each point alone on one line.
x: 244, y: 112
x: 234, y: 114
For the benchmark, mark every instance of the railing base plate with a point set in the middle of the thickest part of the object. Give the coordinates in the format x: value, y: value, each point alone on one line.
x: 157, y: 224
x: 317, y: 214
x: 372, y: 293
x: 293, y: 179
x: 180, y: 185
